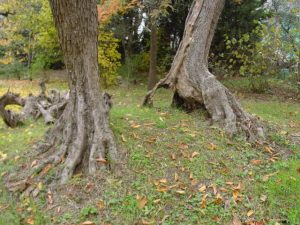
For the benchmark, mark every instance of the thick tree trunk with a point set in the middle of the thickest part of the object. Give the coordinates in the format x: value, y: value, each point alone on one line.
x: 152, y: 79
x: 88, y: 138
x: 193, y: 84
x: 81, y: 138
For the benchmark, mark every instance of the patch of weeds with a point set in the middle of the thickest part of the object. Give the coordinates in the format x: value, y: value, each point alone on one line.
x: 88, y: 211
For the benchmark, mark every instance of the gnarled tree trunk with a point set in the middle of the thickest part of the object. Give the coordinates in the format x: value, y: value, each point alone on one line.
x: 81, y: 138
x: 193, y: 84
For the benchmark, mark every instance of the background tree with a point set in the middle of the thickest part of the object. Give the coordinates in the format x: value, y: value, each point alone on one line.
x: 192, y: 83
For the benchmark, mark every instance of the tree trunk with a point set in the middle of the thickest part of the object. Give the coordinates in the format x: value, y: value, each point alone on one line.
x: 81, y: 138
x: 193, y: 84
x: 152, y: 79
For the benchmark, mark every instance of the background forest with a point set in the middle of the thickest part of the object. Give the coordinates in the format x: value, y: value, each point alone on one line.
x: 257, y: 40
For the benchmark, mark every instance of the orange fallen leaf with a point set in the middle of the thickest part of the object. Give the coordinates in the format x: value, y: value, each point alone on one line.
x: 46, y: 169
x: 194, y: 154
x: 101, y: 161
x: 163, y: 181
x: 256, y: 162
x: 235, y: 194
x: 203, y: 202
x: 88, y: 223
x: 142, y: 201
x: 269, y: 149
x: 30, y: 221
x: 173, y: 156
x: 147, y: 222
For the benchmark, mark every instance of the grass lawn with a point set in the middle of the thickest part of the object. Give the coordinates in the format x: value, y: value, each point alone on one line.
x: 179, y: 170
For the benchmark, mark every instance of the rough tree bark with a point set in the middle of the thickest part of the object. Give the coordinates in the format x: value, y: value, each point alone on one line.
x: 152, y: 79
x: 191, y: 81
x: 81, y: 138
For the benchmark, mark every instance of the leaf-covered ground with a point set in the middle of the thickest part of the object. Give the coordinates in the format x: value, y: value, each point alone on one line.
x: 179, y: 170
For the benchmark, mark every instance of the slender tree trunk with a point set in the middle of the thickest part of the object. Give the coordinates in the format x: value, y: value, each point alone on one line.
x: 81, y: 139
x: 193, y: 84
x: 152, y: 79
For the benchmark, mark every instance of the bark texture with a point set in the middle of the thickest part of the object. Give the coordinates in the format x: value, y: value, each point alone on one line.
x: 81, y: 139
x: 153, y: 57
x: 191, y: 81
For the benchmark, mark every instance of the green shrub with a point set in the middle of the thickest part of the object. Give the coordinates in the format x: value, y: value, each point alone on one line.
x: 109, y: 57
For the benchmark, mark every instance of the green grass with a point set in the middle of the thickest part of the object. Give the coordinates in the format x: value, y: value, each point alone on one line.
x: 159, y: 144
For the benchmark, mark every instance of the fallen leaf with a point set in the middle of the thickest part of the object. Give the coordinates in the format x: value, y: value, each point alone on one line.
x: 176, y: 177
x: 194, y: 154
x: 101, y: 161
x: 238, y: 187
x: 101, y: 204
x: 156, y: 201
x: 173, y: 156
x: 269, y: 149
x: 49, y: 197
x: 147, y: 222
x: 263, y: 198
x: 202, y: 189
x: 135, y: 126
x: 142, y: 201
x: 46, y: 169
x: 30, y: 221
x: 34, y: 163
x: 162, y: 189
x: 203, y: 202
x: 123, y: 138
x: 212, y: 146
x: 181, y: 192
x: 235, y: 194
x: 218, y: 200
x: 256, y: 162
x: 163, y: 181
x: 236, y: 220
x: 151, y: 140
x: 88, y: 223
x: 250, y: 213
x: 183, y: 146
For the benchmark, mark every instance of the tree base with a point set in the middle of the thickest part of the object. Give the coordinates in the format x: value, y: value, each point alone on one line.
x: 219, y: 102
x: 88, y: 148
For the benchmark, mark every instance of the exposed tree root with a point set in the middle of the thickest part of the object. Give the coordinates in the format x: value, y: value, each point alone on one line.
x: 67, y: 147
x: 49, y: 106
